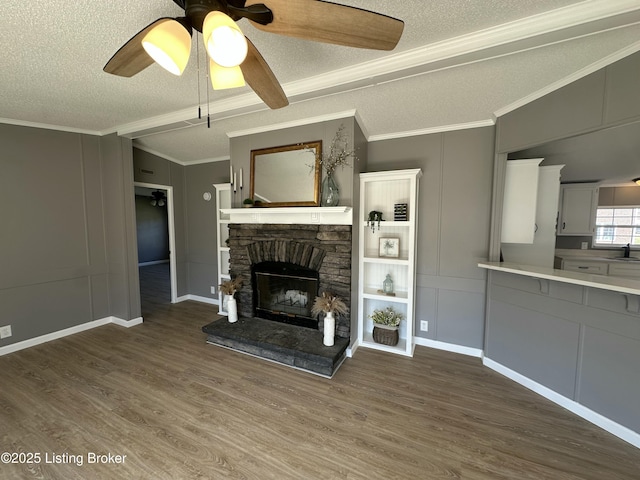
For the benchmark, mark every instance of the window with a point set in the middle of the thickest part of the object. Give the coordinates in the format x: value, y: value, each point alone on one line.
x: 617, y: 226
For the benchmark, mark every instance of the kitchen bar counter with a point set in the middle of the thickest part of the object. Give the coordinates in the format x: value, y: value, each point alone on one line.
x: 573, y: 337
x: 604, y: 282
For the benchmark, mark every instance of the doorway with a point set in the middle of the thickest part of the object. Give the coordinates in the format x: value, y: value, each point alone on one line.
x: 158, y: 279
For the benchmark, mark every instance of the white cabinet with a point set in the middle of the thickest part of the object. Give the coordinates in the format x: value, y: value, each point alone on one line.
x: 540, y: 252
x: 586, y: 266
x: 603, y: 266
x: 520, y: 201
x: 388, y: 248
x: 578, y: 205
x: 223, y: 201
x: 628, y: 269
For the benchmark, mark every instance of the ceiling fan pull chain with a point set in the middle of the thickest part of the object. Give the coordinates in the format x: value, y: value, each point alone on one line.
x: 208, y: 116
x: 198, y: 75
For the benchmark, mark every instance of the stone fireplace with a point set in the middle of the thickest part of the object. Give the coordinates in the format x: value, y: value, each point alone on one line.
x: 284, y: 292
x: 285, y: 266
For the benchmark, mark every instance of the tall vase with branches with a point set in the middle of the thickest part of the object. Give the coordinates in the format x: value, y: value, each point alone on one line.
x: 330, y: 305
x: 229, y: 288
x: 338, y: 156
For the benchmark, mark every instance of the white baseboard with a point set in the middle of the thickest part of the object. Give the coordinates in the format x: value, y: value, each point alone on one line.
x: 127, y: 323
x: 601, y: 421
x: 449, y: 347
x: 155, y: 262
x: 32, y: 342
x: 352, y: 349
x: 197, y: 298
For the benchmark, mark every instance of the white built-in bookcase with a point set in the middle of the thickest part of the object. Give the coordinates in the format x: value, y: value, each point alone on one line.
x: 223, y: 201
x: 382, y: 191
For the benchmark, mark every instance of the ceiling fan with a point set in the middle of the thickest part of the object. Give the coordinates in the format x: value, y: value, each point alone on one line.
x: 317, y: 20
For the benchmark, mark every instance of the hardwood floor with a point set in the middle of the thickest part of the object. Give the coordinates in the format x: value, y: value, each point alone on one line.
x: 181, y: 409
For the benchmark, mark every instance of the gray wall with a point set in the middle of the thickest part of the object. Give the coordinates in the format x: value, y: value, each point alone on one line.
x: 194, y: 218
x: 453, y: 226
x: 619, y: 196
x: 120, y: 226
x: 62, y: 249
x: 241, y: 147
x: 201, y: 257
x: 149, y: 168
x: 151, y: 230
x: 362, y: 149
x: 603, y: 99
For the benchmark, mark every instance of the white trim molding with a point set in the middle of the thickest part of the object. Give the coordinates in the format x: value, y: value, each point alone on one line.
x: 32, y: 342
x: 449, y: 347
x: 198, y: 298
x: 294, y: 123
x: 601, y: 421
x: 126, y: 323
x: 341, y: 215
x: 432, y: 130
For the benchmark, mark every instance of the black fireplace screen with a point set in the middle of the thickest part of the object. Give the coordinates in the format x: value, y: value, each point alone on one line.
x: 286, y: 296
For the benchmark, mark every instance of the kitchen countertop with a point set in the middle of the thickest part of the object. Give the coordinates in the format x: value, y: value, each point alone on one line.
x: 604, y: 282
x: 586, y: 258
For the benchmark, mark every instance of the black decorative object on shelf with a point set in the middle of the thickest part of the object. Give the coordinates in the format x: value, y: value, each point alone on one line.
x: 400, y: 212
x: 374, y: 216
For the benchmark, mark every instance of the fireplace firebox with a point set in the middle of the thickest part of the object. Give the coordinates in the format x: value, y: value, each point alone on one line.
x: 285, y: 292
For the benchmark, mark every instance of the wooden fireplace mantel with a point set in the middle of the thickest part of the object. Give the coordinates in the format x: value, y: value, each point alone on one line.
x: 291, y: 215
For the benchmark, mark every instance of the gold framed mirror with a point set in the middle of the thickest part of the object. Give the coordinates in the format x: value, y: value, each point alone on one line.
x: 287, y: 176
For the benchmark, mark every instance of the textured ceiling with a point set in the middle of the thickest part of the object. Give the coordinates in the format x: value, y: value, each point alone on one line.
x: 458, y: 61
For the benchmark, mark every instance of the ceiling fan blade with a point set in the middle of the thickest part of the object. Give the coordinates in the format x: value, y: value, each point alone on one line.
x: 331, y: 23
x: 132, y: 58
x: 261, y: 79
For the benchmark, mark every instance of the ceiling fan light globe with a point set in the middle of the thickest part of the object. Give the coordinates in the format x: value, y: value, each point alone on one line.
x: 169, y: 44
x: 224, y: 41
x: 225, y: 77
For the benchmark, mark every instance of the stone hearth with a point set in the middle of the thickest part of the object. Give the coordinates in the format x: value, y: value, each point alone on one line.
x: 289, y: 345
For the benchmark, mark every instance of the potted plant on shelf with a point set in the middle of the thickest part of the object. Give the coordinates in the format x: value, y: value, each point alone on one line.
x: 330, y: 305
x: 385, y: 326
x: 229, y: 288
x: 247, y: 203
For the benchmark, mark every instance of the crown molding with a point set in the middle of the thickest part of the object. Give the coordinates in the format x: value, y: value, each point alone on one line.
x: 293, y: 123
x: 160, y: 155
x: 46, y: 126
x: 400, y: 65
x: 432, y: 130
x: 584, y: 13
x: 181, y: 162
x: 208, y: 160
x: 578, y: 19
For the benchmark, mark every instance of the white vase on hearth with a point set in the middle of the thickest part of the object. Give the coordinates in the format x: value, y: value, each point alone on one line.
x: 232, y: 309
x: 329, y: 329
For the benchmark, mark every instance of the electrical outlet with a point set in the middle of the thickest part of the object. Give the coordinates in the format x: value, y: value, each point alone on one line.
x: 584, y: 245
x: 5, y: 331
x: 213, y: 290
x: 424, y: 325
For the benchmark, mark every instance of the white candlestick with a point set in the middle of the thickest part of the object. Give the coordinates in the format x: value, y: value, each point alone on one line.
x: 240, y: 179
x: 234, y: 182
